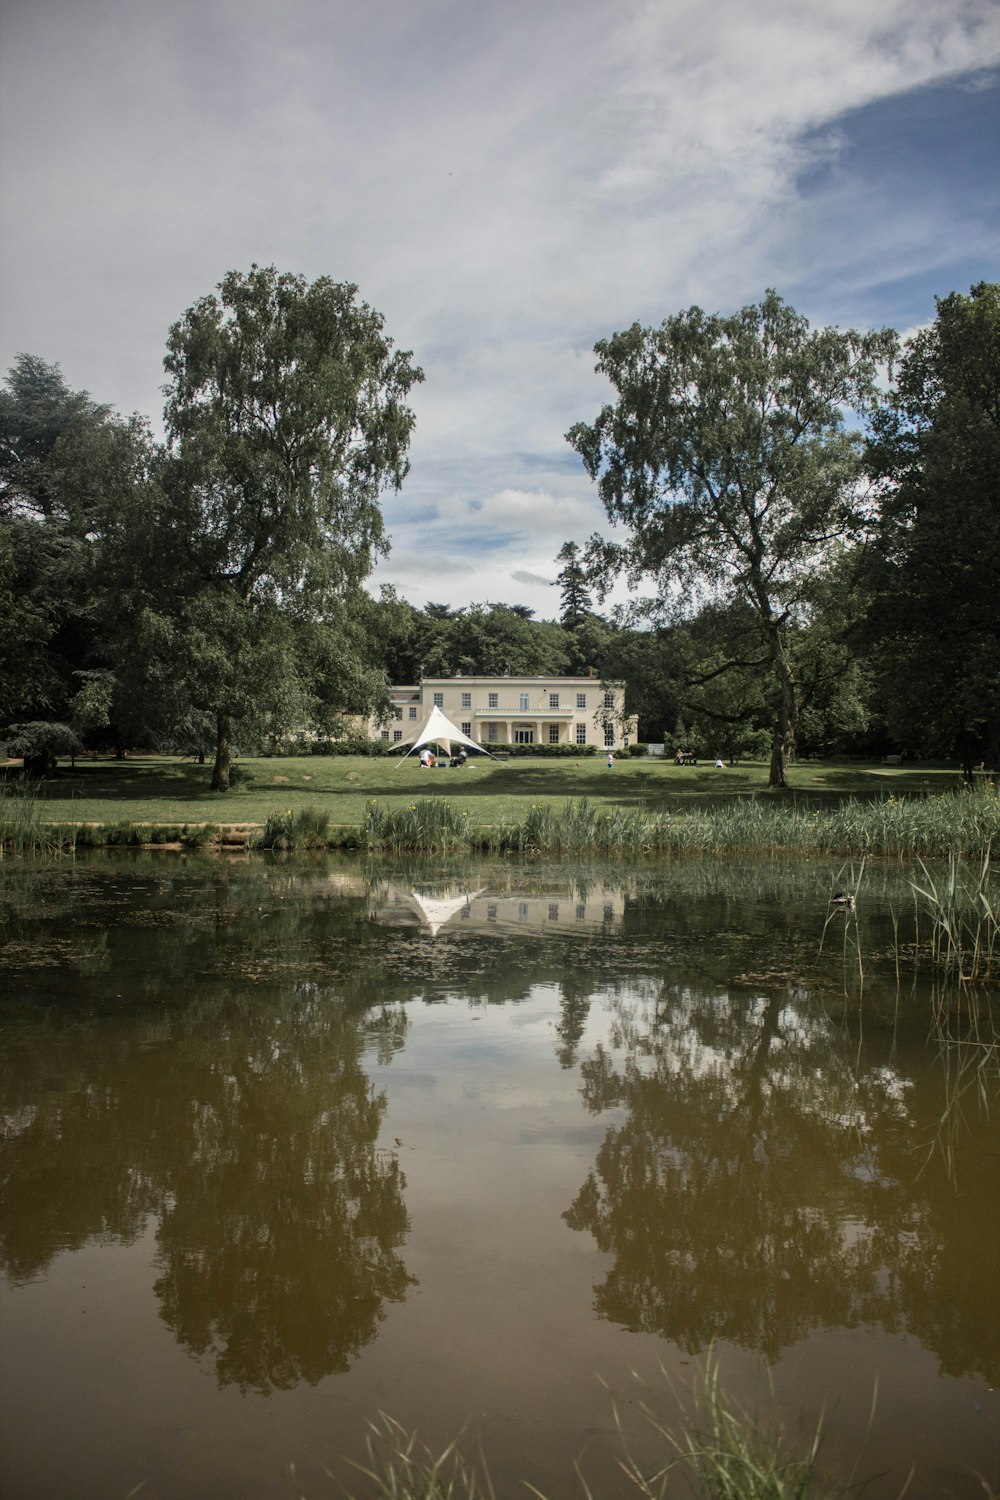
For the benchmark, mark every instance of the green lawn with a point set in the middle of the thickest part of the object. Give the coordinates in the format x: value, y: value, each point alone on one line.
x: 163, y: 789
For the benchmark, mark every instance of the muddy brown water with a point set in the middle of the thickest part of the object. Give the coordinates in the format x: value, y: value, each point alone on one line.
x: 500, y: 1150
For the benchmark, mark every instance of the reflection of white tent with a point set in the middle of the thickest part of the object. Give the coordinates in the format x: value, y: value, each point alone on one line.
x: 437, y: 729
x: 437, y: 910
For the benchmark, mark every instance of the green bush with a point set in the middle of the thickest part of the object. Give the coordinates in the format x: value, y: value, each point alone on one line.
x: 357, y: 744
x: 553, y: 752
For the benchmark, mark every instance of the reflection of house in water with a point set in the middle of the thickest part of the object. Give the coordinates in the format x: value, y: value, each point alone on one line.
x: 450, y: 909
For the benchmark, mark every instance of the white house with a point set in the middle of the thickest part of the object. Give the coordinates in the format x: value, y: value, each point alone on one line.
x: 517, y: 710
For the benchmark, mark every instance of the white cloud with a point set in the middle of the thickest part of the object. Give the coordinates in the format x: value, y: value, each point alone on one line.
x: 505, y: 181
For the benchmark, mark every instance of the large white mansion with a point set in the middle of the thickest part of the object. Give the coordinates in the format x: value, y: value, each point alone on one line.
x: 517, y: 710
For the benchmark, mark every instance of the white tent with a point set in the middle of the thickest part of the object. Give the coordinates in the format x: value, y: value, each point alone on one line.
x: 437, y: 729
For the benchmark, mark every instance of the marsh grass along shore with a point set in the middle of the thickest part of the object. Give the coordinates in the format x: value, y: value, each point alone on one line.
x: 521, y: 806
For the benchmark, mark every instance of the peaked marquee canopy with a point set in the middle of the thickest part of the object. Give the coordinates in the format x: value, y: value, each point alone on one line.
x: 437, y: 729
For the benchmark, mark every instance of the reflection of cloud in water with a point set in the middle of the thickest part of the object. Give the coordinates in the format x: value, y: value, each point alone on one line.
x: 569, y: 907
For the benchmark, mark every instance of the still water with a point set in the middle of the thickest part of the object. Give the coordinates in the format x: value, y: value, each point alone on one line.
x: 495, y: 1149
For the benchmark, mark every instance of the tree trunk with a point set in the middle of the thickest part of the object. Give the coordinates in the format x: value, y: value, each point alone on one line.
x: 220, y: 771
x: 787, y: 728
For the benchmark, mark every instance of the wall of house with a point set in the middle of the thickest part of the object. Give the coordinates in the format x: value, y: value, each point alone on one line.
x: 517, y: 710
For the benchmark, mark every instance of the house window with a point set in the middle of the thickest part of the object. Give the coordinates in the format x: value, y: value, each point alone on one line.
x: 609, y: 699
x: 553, y: 911
x: 553, y: 700
x: 524, y: 734
x: 397, y: 734
x: 609, y: 737
x: 467, y: 727
x: 439, y: 700
x: 466, y: 700
x: 413, y: 713
x: 385, y: 734
x: 581, y: 734
x: 493, y: 701
x: 522, y: 911
x: 553, y: 734
x: 397, y: 713
x: 581, y: 700
x: 492, y: 734
x: 491, y: 912
x: 524, y: 705
x: 581, y: 913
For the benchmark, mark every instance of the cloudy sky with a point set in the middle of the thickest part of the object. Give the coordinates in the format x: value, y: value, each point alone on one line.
x: 506, y: 181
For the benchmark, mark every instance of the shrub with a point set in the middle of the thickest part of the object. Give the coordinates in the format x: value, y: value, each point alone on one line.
x: 287, y: 830
x: 554, y: 752
x: 357, y: 744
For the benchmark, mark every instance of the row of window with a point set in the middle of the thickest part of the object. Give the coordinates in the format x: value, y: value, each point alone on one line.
x: 524, y: 734
x: 524, y: 912
x: 524, y: 704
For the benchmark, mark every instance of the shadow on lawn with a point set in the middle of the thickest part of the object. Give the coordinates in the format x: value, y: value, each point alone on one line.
x: 116, y: 781
x: 630, y: 783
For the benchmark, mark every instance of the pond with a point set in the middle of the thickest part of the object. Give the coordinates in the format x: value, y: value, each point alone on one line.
x: 503, y: 1150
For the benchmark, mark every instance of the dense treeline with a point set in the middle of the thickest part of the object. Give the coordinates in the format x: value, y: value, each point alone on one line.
x: 798, y: 586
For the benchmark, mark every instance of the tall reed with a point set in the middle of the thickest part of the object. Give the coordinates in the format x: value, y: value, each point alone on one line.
x: 306, y: 829
x: 22, y: 830
x: 960, y: 909
x: 431, y: 823
x: 718, y: 1451
x: 401, y: 1467
x: 721, y: 1451
x: 961, y: 823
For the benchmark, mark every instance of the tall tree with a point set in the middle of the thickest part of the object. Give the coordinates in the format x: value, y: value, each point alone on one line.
x: 727, y: 457
x: 67, y: 466
x: 574, y: 591
x: 286, y: 420
x: 933, y: 562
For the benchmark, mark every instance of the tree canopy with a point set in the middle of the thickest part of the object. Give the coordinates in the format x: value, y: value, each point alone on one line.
x: 286, y: 420
x: 727, y: 457
x: 67, y: 466
x: 931, y: 567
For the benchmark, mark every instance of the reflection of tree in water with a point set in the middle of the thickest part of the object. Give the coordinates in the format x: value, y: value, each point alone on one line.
x: 574, y: 1008
x: 277, y: 1248
x: 188, y: 1044
x: 248, y: 1125
x: 760, y: 1186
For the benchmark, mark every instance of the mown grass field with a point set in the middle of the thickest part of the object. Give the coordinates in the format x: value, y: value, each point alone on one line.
x: 162, y: 789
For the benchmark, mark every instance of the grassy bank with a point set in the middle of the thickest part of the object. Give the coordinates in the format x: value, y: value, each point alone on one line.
x: 162, y: 789
x: 468, y: 811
